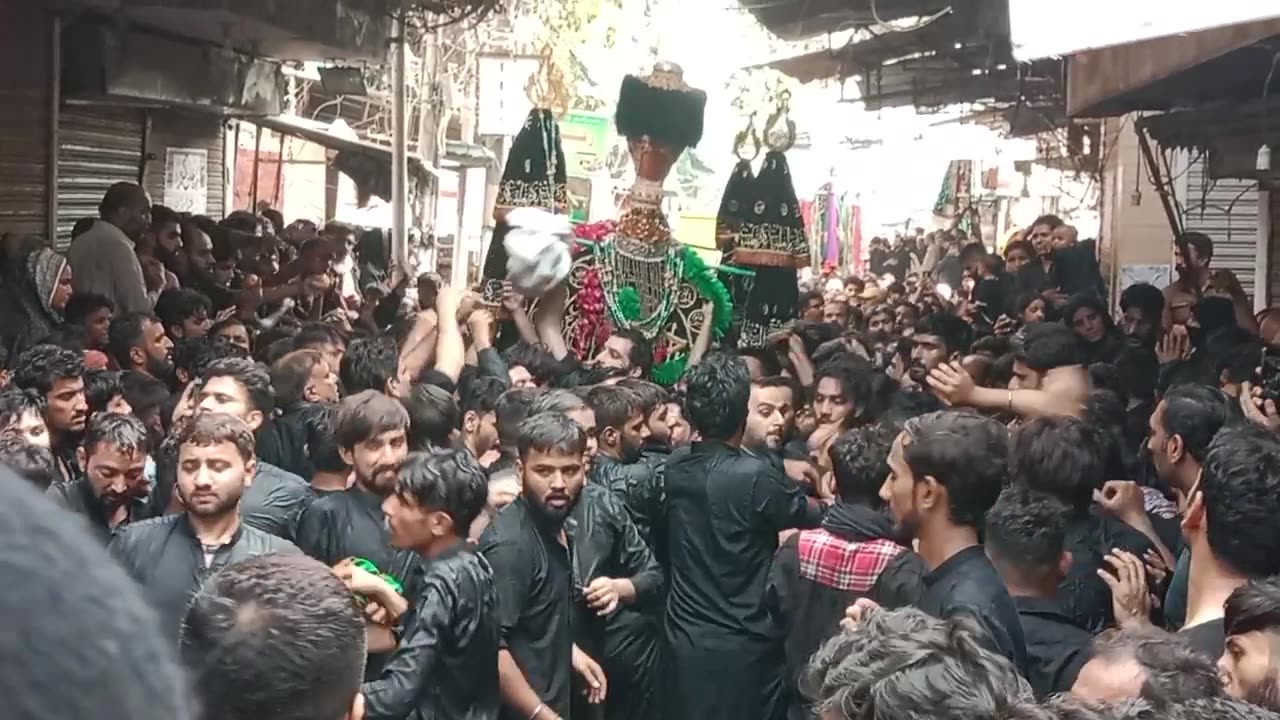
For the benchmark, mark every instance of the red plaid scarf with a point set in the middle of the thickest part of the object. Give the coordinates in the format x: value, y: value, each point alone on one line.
x: 842, y: 564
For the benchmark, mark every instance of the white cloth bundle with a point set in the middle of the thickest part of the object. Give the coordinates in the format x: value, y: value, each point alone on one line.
x: 538, y: 255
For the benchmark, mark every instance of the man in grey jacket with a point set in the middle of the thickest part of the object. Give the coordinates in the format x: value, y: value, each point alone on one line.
x: 104, y: 260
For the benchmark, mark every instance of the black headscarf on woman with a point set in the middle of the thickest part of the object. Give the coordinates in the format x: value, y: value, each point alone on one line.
x: 1106, y: 348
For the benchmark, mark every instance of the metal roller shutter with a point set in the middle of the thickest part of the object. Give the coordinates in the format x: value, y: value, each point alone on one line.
x: 1227, y: 211
x: 174, y: 129
x: 26, y: 34
x: 1273, y: 254
x: 98, y: 146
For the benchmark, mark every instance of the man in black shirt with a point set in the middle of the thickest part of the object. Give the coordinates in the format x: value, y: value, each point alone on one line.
x: 1026, y: 531
x: 1250, y: 666
x: 1230, y: 526
x: 447, y: 663
x: 242, y: 388
x: 371, y: 431
x: 946, y: 470
x: 725, y: 508
x: 533, y: 566
x: 113, y: 491
x: 170, y: 556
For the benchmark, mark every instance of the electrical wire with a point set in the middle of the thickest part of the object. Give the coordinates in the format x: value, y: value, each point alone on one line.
x: 922, y: 24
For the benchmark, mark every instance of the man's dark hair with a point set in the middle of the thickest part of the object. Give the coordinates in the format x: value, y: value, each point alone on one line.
x: 908, y: 404
x: 1196, y: 413
x: 43, y: 365
x: 1047, y: 346
x: 551, y: 432
x: 716, y: 396
x: 965, y: 453
x: 955, y: 333
x: 118, y: 196
x: 275, y: 636
x: 612, y: 406
x: 540, y: 363
x: 313, y: 335
x: 177, y: 305
x: 512, y: 408
x: 254, y: 377
x: 366, y: 415
x: 145, y: 394
x: 1173, y: 670
x: 208, y: 429
x: 1240, y: 482
x: 1254, y: 607
x: 100, y: 388
x: 1062, y: 456
x: 194, y: 356
x: 807, y: 297
x: 641, y: 355
x: 904, y: 665
x: 448, y: 480
x: 15, y: 402
x: 31, y: 462
x: 369, y: 364
x: 767, y: 358
x: 575, y: 376
x: 87, y: 613
x: 1202, y: 243
x: 161, y: 215
x: 291, y: 374
x: 1053, y: 221
x: 81, y: 305
x: 322, y: 448
x: 479, y: 395
x: 650, y: 395
x: 1026, y: 531
x: 557, y: 401
x: 433, y: 416
x: 1146, y: 298
x: 860, y: 463
x: 125, y: 433
x: 869, y: 391
x: 126, y: 333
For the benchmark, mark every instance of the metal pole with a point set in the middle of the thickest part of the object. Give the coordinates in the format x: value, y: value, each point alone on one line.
x: 399, y: 148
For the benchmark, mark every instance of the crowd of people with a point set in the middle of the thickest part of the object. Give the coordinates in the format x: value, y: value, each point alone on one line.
x: 282, y: 479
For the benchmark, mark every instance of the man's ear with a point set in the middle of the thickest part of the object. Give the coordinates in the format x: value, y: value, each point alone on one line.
x: 255, y: 419
x: 929, y: 493
x: 609, y: 437
x: 250, y: 470
x: 1176, y: 449
x: 470, y: 421
x: 137, y: 357
x: 347, y: 456
x: 309, y: 393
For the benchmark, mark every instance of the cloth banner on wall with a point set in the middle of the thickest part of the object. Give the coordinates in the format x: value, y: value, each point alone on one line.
x: 186, y: 180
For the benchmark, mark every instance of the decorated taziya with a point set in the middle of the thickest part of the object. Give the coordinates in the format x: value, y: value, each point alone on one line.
x: 648, y: 281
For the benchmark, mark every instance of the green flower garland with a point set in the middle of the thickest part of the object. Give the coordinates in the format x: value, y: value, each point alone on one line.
x: 704, y: 280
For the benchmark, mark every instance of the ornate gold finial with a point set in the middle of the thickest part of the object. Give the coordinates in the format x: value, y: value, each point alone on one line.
x: 746, y: 144
x: 666, y: 76
x: 780, y: 139
x: 547, y: 88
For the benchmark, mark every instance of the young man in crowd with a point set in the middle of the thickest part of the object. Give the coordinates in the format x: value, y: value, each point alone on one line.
x: 22, y: 416
x: 113, y: 492
x: 57, y: 376
x: 1230, y: 529
x: 32, y: 463
x: 330, y: 473
x: 817, y: 573
x: 92, y: 314
x: 446, y: 664
x: 371, y: 432
x: 301, y: 379
x: 1249, y: 664
x: 1147, y: 664
x: 304, y: 656
x: 184, y: 314
x: 628, y: 351
x: 138, y: 343
x: 725, y: 507
x: 770, y: 415
x: 528, y: 547
x: 242, y: 388
x: 169, y: 556
x: 574, y: 407
x: 938, y: 339
x: 433, y: 417
x: 479, y: 399
x: 1025, y: 539
x: 946, y: 470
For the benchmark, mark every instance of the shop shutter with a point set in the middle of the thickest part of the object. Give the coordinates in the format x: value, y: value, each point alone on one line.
x: 176, y: 129
x: 26, y: 33
x: 1227, y: 211
x: 1273, y: 253
x: 98, y: 146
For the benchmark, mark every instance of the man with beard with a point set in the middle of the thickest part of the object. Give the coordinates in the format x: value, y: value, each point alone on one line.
x: 113, y: 491
x: 881, y: 326
x: 371, y: 431
x: 725, y: 508
x: 631, y: 637
x: 139, y: 344
x: 478, y: 417
x: 103, y: 259
x: 817, y: 573
x: 1250, y: 666
x: 242, y: 388
x: 533, y: 558
x: 57, y: 376
x: 171, y: 556
x: 938, y: 339
x: 1192, y: 256
x: 770, y: 414
x: 946, y: 470
x: 447, y: 662
x: 655, y: 406
x: 1142, y: 305
x: 577, y: 410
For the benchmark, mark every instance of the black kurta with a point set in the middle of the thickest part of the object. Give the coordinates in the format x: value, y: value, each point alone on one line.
x: 725, y: 508
x: 447, y: 662
x: 78, y: 497
x: 350, y: 524
x: 167, y: 559
x: 275, y: 501
x: 1056, y: 647
x: 967, y: 585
